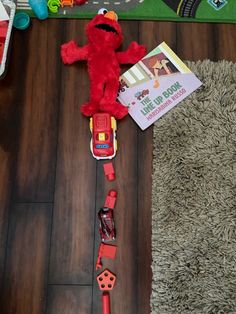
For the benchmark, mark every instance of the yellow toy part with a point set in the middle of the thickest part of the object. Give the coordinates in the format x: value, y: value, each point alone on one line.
x: 113, y: 123
x: 101, y: 136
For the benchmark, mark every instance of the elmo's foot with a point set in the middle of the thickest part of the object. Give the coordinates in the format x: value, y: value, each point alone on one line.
x: 117, y: 110
x: 89, y: 109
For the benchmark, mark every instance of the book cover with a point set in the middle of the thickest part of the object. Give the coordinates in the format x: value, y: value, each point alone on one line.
x: 155, y: 85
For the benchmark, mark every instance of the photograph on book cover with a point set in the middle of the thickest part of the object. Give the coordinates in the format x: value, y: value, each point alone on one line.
x: 155, y: 85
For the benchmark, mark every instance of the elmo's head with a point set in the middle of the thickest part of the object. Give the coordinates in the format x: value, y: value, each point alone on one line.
x: 104, y: 30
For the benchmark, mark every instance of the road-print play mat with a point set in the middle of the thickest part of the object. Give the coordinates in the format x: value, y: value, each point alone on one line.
x: 168, y: 10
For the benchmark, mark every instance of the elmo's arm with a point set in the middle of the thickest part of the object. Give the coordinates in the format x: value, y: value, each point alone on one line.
x: 133, y: 54
x: 70, y: 52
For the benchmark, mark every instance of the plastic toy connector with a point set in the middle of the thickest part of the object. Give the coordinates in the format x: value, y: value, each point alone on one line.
x: 109, y: 171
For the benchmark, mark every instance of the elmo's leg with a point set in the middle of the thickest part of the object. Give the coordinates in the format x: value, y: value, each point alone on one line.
x: 96, y: 93
x: 108, y: 102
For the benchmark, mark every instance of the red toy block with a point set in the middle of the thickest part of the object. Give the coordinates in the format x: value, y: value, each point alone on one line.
x: 106, y: 280
x: 109, y: 171
x: 107, y: 251
x: 110, y: 199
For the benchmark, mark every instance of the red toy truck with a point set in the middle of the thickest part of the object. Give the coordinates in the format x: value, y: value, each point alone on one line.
x: 103, y: 143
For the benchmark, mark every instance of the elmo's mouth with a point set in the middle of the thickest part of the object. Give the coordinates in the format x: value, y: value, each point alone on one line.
x: 107, y: 28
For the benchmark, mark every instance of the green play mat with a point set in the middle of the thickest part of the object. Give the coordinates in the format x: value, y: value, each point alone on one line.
x: 146, y: 10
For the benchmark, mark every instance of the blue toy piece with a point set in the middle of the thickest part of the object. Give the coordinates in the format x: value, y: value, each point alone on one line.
x: 21, y: 21
x: 39, y: 8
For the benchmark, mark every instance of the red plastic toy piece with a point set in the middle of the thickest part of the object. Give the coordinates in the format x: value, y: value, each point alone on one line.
x: 106, y: 303
x: 107, y: 226
x: 109, y: 171
x: 107, y: 251
x: 110, y: 199
x: 3, y: 29
x: 79, y: 2
x: 106, y: 280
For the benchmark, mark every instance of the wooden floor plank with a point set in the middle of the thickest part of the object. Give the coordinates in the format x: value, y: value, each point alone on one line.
x: 226, y: 45
x: 27, y: 260
x: 73, y: 220
x: 38, y: 138
x: 158, y: 33
x: 5, y: 169
x: 5, y: 192
x: 196, y: 41
x: 125, y: 213
x: 126, y: 220
x: 69, y: 299
x: 10, y: 103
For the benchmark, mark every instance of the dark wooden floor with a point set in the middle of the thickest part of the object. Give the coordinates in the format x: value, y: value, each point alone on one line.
x: 50, y: 186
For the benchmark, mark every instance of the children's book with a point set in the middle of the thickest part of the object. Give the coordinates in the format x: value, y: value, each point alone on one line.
x: 155, y: 85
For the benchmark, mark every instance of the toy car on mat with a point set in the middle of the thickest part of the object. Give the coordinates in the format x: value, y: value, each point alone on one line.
x: 103, y: 143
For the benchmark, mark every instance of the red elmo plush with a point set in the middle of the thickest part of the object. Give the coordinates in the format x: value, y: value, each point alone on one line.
x: 104, y: 37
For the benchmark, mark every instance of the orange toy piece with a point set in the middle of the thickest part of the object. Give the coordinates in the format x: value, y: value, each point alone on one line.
x: 106, y: 280
x: 67, y: 3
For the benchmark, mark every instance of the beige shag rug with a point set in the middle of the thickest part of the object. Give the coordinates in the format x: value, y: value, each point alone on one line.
x: 194, y: 198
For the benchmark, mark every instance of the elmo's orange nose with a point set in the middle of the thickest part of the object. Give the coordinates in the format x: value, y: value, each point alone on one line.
x: 111, y: 15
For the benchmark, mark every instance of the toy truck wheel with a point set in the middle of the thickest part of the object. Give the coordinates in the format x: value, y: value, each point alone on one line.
x: 113, y: 123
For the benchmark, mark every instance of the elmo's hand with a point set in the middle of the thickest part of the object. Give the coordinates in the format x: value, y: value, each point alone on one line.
x: 132, y: 55
x: 136, y: 51
x: 70, y: 52
x: 67, y: 51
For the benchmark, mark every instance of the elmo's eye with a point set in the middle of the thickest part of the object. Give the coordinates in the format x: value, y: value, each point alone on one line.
x: 102, y: 11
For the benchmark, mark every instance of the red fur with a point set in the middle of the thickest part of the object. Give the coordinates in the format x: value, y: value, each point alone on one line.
x: 103, y: 64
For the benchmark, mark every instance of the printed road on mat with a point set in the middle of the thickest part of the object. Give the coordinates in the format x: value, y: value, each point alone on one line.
x: 91, y: 6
